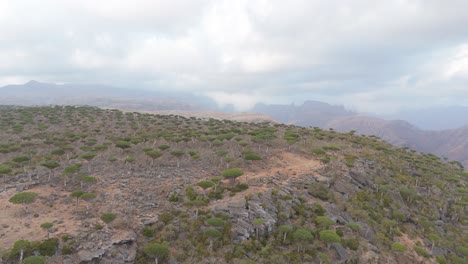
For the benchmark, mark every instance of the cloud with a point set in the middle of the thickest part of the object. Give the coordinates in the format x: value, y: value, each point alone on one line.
x: 363, y: 54
x: 239, y: 101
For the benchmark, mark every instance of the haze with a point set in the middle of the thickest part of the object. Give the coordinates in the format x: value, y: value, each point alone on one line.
x: 370, y: 56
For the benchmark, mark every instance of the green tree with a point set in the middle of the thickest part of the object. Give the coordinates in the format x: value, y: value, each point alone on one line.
x: 157, y: 251
x: 153, y: 155
x: 212, y: 234
x: 24, y: 198
x: 4, y: 170
x: 329, y: 236
x: 164, y: 147
x: 433, y: 238
x: 70, y: 170
x: 107, y: 218
x: 77, y: 194
x: 302, y: 236
x: 205, y: 185
x: 19, y: 248
x: 178, y: 154
x: 86, y: 179
x: 122, y: 145
x: 324, y: 221
x: 258, y: 223
x: 89, y: 156
x: 232, y: 174
x: 47, y: 226
x: 285, y: 229
x: 87, y: 197
x: 50, y: 165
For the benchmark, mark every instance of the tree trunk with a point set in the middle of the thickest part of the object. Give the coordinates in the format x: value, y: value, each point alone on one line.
x: 21, y: 256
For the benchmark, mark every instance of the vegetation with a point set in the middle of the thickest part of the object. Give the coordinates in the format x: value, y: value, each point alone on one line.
x: 176, y: 181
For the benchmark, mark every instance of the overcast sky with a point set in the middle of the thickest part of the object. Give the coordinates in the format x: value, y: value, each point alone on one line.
x: 372, y: 56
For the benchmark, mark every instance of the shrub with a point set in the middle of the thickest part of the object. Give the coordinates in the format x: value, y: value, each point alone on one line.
x: 352, y: 243
x: 324, y: 221
x: 148, y: 231
x: 23, y: 198
x: 319, y: 190
x: 34, y: 260
x: 318, y: 152
x: 49, y: 247
x: 398, y: 247
x: 108, y: 217
x: 216, y: 222
x: 421, y: 251
x: 252, y: 156
x: 354, y: 226
x: 331, y: 147
x: 329, y: 236
x: 462, y: 250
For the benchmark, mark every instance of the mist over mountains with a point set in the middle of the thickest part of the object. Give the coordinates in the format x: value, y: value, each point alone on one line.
x: 450, y: 143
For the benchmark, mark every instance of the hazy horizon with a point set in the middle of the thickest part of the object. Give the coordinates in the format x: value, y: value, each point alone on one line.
x: 371, y: 57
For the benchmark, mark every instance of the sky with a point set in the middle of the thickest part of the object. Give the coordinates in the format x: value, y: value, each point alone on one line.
x: 371, y: 56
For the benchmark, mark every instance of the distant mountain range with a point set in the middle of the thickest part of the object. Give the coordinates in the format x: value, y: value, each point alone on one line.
x: 38, y: 93
x: 435, y: 118
x: 449, y: 143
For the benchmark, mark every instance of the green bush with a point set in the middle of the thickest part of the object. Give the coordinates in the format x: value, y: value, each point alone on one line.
x: 239, y: 187
x: 421, y: 251
x: 318, y: 152
x: 252, y: 156
x: 463, y: 251
x: 398, y: 247
x: 319, y: 190
x: 216, y: 222
x: 331, y: 147
x: 148, y: 231
x: 441, y: 260
x: 49, y: 247
x: 329, y: 236
x: 354, y: 226
x: 108, y: 217
x: 351, y: 243
x: 34, y: 260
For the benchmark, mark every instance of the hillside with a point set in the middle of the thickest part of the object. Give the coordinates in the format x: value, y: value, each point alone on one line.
x: 451, y: 144
x: 114, y: 187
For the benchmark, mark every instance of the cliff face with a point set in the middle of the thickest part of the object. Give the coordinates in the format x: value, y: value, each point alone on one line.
x: 304, y: 195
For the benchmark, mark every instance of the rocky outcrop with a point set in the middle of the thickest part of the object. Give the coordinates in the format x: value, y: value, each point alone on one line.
x: 100, y: 247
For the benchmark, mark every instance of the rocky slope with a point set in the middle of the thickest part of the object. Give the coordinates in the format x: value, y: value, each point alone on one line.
x: 132, y: 188
x: 452, y: 144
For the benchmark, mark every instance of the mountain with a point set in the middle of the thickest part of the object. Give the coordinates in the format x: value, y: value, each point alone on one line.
x: 38, y: 93
x: 435, y: 118
x: 88, y: 185
x: 311, y: 113
x: 452, y: 143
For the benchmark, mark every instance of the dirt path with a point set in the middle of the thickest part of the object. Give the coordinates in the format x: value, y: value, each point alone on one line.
x: 286, y: 164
